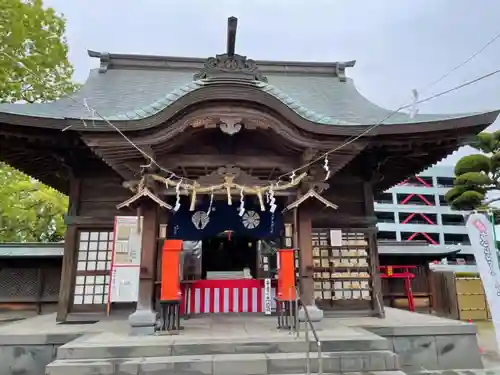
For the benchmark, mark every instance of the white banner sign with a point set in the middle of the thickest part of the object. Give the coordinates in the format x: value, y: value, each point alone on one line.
x: 127, y: 241
x: 125, y: 284
x: 267, y: 297
x: 483, y: 244
x: 125, y: 267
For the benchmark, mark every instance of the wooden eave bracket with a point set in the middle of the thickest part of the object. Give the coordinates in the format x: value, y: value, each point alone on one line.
x: 310, y: 194
x: 145, y: 192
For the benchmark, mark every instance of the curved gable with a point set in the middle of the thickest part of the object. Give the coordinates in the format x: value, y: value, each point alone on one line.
x: 134, y: 91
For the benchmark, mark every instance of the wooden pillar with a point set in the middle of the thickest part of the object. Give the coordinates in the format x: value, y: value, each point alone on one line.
x: 305, y: 249
x: 68, y: 272
x: 150, y: 227
x: 430, y: 287
x: 377, y: 296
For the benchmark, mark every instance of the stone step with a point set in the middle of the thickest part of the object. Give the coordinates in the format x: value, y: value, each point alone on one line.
x: 230, y: 364
x: 392, y: 372
x: 99, y: 348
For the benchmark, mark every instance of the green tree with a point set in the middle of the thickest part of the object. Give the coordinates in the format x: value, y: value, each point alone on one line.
x: 29, y: 211
x: 34, y: 64
x: 477, y: 176
x: 34, y: 67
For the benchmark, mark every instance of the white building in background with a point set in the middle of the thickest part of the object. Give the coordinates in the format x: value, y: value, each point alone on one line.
x: 416, y: 210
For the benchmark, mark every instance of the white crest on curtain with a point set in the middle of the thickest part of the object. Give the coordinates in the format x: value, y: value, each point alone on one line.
x: 200, y: 220
x: 250, y: 219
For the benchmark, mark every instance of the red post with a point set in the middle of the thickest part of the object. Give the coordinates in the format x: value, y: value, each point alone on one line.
x: 170, y: 282
x: 286, y: 275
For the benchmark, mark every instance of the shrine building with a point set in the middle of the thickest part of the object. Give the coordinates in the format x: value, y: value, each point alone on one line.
x: 238, y: 172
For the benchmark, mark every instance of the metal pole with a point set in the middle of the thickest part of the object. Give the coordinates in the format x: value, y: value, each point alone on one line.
x: 297, y: 322
x: 320, y: 359
x: 308, y: 354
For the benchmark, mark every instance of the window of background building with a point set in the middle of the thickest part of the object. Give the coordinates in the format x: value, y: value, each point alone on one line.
x: 450, y: 219
x: 445, y: 182
x: 431, y: 238
x: 442, y: 201
x: 385, y: 217
x: 419, y: 181
x: 386, y: 235
x: 455, y: 239
x: 416, y: 199
x: 417, y: 218
x: 383, y: 198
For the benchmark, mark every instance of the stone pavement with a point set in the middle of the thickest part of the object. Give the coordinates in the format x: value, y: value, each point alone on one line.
x: 417, y: 339
x: 491, y: 371
x: 396, y: 321
x: 7, y: 317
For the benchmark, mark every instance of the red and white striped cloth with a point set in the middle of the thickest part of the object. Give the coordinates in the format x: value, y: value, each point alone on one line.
x: 226, y: 296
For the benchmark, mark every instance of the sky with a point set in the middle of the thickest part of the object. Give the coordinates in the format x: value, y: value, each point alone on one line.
x: 399, y: 45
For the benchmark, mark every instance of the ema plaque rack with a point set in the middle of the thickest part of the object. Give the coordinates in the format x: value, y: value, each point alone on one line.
x: 341, y: 268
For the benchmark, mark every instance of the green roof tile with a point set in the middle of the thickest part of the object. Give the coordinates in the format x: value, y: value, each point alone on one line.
x: 135, y: 94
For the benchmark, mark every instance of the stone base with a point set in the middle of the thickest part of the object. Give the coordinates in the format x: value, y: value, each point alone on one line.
x: 315, y: 313
x: 259, y: 351
x: 142, y: 322
x: 410, y: 340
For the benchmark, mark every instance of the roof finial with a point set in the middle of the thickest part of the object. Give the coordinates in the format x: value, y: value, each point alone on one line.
x: 232, y: 25
x: 230, y: 65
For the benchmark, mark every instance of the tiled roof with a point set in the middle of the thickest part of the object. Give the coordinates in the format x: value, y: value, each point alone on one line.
x: 57, y: 249
x: 31, y: 249
x: 127, y: 93
x: 440, y: 250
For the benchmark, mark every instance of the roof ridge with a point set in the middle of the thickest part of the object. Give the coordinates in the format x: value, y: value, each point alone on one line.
x: 161, y: 62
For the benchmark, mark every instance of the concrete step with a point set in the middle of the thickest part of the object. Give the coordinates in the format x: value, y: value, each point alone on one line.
x: 230, y: 364
x: 104, y: 346
x: 393, y: 372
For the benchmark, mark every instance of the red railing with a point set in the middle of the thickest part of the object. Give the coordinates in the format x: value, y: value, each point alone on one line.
x: 401, y: 272
x: 223, y: 296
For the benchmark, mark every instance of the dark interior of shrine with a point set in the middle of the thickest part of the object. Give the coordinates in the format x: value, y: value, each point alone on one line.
x: 229, y: 251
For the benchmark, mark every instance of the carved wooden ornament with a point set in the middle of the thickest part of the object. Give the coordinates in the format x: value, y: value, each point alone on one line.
x: 230, y: 125
x: 144, y: 193
x: 310, y: 194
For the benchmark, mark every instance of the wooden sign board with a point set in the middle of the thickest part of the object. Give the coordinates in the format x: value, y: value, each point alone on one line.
x: 126, y: 260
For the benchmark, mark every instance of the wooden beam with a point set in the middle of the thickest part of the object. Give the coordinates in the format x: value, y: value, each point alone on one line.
x: 308, y: 155
x: 105, y: 222
x: 343, y: 221
x: 44, y: 136
x: 242, y: 161
x: 234, y: 192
